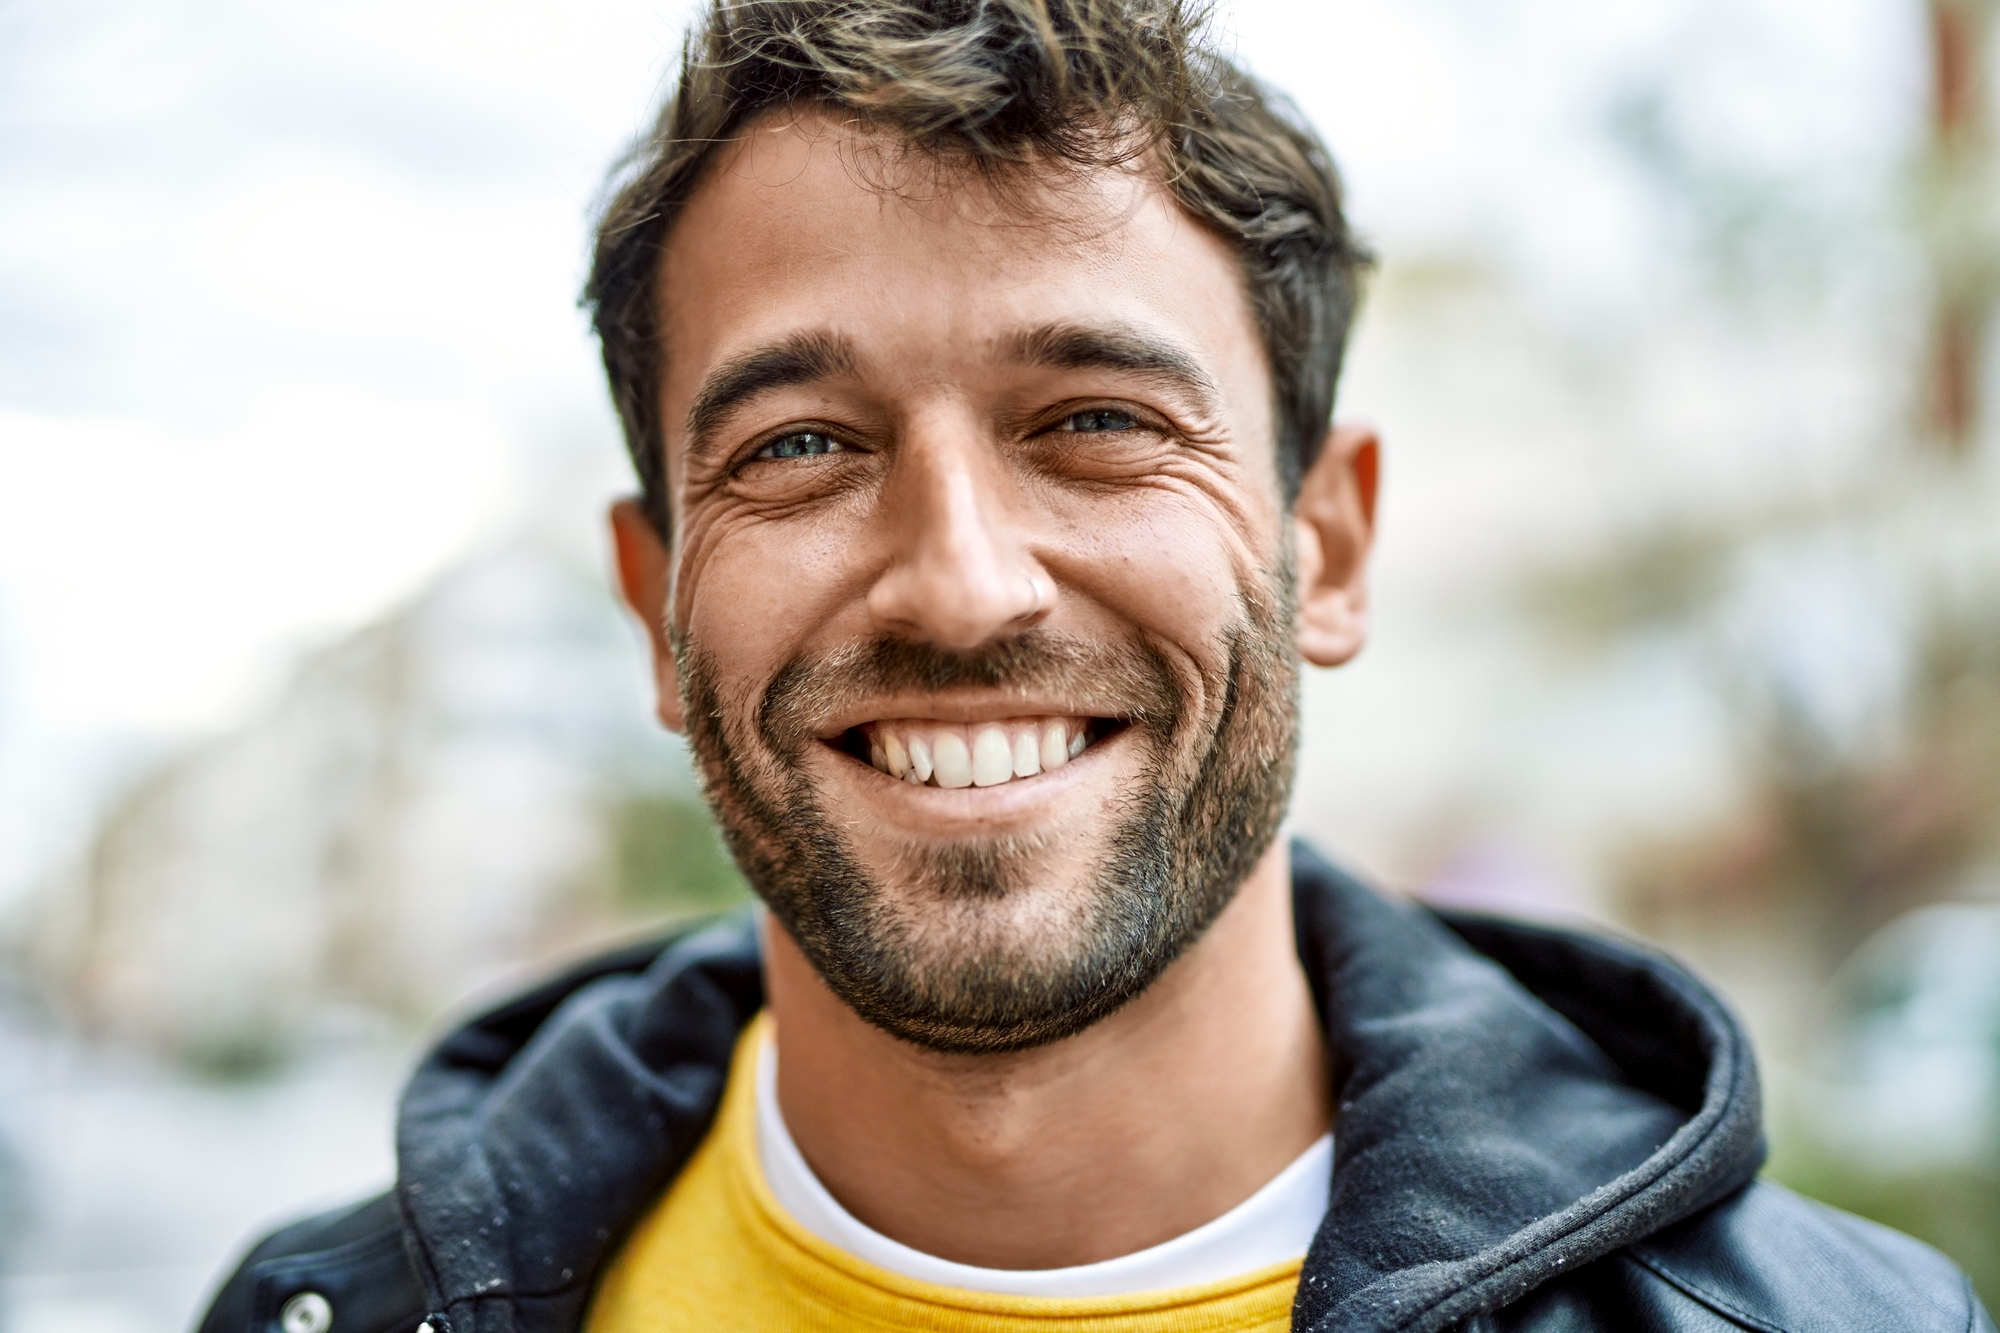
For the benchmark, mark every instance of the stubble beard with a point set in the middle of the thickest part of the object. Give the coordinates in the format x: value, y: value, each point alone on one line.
x: 964, y: 955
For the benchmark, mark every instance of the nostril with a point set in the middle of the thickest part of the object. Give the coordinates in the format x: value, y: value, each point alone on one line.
x: 1035, y: 598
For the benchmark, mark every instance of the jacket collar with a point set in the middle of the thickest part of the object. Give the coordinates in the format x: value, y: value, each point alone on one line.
x: 1515, y: 1101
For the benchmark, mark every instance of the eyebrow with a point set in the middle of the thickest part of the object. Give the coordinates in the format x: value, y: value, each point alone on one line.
x: 1124, y: 349
x: 802, y: 358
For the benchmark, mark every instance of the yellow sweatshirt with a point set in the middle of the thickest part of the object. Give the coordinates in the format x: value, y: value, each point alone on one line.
x: 719, y: 1254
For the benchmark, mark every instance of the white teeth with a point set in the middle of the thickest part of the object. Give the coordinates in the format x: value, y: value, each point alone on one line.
x: 1027, y: 754
x: 984, y: 754
x: 1055, y: 745
x: 951, y: 760
x: 992, y: 757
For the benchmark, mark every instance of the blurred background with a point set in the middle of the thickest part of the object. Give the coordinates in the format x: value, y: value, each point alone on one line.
x: 318, y: 722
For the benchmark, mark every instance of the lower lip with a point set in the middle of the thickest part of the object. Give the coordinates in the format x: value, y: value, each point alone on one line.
x: 926, y: 807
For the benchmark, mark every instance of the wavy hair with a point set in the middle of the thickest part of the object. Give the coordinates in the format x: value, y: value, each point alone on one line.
x: 995, y: 86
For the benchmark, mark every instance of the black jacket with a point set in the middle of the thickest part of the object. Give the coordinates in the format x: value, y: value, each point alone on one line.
x: 1538, y: 1130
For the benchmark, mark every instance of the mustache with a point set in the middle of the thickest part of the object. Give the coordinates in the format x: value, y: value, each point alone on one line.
x: 1127, y: 680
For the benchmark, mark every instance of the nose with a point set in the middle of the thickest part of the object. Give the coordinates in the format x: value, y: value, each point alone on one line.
x: 960, y: 574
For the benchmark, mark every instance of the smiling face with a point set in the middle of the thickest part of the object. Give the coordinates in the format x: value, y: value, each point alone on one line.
x: 979, y: 607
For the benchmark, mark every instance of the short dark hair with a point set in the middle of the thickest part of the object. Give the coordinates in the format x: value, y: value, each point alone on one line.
x: 994, y: 85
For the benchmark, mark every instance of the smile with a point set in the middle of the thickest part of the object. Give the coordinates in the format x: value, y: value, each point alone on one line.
x: 926, y: 752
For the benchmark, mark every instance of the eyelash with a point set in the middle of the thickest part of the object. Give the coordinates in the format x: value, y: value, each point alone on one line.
x: 827, y: 443
x: 1130, y: 419
x: 767, y: 452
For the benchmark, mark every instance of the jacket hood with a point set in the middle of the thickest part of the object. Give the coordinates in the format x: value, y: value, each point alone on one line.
x: 1514, y: 1101
x: 1518, y: 1100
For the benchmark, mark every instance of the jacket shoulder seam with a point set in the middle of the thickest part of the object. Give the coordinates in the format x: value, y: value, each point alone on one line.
x: 390, y: 1237
x: 258, y: 1276
x: 1694, y: 1291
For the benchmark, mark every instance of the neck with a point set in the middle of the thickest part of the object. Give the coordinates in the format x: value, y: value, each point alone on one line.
x: 1160, y: 1118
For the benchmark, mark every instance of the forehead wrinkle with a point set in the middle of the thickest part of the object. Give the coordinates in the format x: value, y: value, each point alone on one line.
x: 1066, y: 346
x: 800, y: 358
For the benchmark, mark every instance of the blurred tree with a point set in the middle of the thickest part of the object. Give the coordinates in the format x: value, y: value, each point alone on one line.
x: 1836, y: 838
x: 1959, y: 224
x: 1839, y: 826
x: 667, y: 859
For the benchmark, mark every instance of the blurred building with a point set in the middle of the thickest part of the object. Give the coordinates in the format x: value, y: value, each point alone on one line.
x: 430, y: 802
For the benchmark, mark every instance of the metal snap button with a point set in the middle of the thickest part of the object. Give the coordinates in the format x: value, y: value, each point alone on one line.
x: 307, y: 1312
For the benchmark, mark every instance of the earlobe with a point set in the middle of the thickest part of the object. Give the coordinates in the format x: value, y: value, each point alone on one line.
x: 644, y: 579
x: 1335, y: 528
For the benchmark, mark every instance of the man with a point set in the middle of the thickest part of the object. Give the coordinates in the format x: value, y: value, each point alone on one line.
x: 977, y: 361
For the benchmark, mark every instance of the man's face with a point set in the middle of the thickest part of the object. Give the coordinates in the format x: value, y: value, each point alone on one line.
x: 980, y: 599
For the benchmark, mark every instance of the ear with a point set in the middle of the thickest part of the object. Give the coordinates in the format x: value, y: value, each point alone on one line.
x: 1335, y: 520
x: 644, y: 579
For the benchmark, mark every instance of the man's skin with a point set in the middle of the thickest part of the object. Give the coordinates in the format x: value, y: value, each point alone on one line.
x: 965, y: 502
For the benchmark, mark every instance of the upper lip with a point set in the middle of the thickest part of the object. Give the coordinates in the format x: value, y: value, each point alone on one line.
x: 967, y: 709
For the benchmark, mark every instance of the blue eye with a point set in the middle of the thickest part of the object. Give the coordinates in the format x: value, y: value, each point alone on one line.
x: 804, y: 444
x: 1098, y: 419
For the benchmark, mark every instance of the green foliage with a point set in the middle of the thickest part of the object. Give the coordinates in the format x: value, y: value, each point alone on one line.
x: 241, y: 1055
x: 1664, y: 578
x: 667, y: 859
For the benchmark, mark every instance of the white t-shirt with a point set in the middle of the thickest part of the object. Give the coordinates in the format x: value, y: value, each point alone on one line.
x: 1272, y: 1226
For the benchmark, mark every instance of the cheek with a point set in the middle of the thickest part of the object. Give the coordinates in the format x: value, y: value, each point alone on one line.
x: 751, y: 593
x: 1169, y: 565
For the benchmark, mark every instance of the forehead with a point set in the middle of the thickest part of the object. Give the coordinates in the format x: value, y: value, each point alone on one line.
x: 806, y: 223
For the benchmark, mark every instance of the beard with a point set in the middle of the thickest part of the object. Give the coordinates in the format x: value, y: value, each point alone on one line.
x: 950, y: 947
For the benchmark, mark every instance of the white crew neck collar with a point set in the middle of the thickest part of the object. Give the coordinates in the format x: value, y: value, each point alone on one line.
x: 1272, y: 1226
